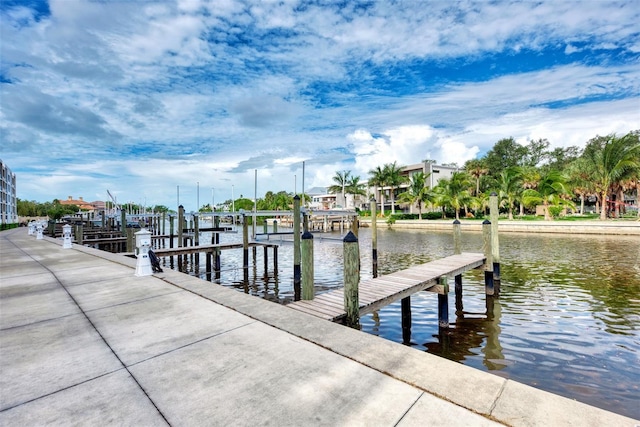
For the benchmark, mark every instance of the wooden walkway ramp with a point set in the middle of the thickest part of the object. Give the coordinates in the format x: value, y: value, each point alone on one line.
x: 375, y: 293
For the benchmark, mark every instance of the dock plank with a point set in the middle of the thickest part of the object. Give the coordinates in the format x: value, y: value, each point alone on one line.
x: 377, y: 292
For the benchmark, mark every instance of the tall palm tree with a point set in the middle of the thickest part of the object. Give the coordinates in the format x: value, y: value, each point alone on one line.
x: 378, y: 179
x: 617, y: 157
x: 530, y: 179
x: 395, y: 178
x: 550, y: 191
x: 341, y: 179
x: 510, y: 187
x: 417, y: 193
x: 355, y: 187
x: 579, y: 180
x: 476, y: 168
x: 454, y: 192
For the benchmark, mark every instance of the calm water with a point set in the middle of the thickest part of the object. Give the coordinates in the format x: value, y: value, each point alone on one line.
x: 567, y: 320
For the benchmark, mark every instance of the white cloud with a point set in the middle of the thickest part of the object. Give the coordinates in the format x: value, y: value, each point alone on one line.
x: 160, y: 94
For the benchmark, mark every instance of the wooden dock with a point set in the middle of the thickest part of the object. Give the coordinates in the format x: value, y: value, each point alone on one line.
x: 378, y: 292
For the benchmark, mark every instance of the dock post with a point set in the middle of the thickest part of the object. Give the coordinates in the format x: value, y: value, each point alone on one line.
x: 245, y: 244
x: 296, y: 248
x: 374, y: 237
x: 129, y: 240
x: 265, y: 256
x: 405, y: 305
x: 265, y: 230
x: 216, y: 262
x: 215, y: 237
x: 275, y: 260
x: 171, y: 231
x: 180, y: 225
x: 354, y: 224
x: 495, y: 242
x: 275, y: 226
x: 305, y: 222
x: 488, y: 266
x: 457, y: 249
x: 457, y: 238
x: 351, y: 263
x: 443, y: 304
x: 306, y: 252
x: 123, y: 222
x: 208, y: 256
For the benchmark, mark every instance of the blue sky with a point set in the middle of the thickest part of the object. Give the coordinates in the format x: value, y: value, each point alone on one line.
x: 142, y: 97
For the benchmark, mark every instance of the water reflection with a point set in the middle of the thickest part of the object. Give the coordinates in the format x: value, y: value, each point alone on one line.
x: 567, y: 320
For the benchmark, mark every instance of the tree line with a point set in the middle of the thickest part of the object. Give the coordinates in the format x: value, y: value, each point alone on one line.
x: 523, y: 177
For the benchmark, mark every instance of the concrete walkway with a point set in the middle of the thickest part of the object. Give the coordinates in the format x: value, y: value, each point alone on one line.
x: 85, y: 342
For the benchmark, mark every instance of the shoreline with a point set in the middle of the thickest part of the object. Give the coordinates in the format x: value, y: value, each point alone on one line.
x: 621, y: 228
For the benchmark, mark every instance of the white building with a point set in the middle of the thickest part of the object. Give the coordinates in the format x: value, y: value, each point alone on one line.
x: 8, y: 200
x: 433, y: 172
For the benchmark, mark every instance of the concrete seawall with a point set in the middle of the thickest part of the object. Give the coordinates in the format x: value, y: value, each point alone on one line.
x: 564, y: 227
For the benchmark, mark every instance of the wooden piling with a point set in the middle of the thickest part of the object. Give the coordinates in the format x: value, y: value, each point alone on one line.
x: 351, y: 254
x: 130, y: 240
x: 354, y: 225
x: 245, y: 243
x: 296, y: 248
x: 405, y: 305
x: 495, y: 241
x: 488, y: 266
x: 443, y: 304
x: 306, y: 252
x: 123, y: 222
x: 457, y: 237
x: 457, y: 249
x: 196, y: 236
x: 275, y: 225
x: 374, y: 237
x: 458, y: 291
x: 180, y: 225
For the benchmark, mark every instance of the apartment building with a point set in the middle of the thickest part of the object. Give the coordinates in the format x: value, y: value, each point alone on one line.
x: 8, y: 200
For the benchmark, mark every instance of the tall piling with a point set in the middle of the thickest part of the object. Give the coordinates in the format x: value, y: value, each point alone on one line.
x: 488, y: 265
x: 351, y: 262
x: 374, y: 237
x: 296, y: 248
x: 306, y: 251
x: 495, y: 241
x: 457, y: 249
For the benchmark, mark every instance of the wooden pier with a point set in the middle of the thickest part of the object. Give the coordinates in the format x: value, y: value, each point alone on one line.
x: 378, y: 292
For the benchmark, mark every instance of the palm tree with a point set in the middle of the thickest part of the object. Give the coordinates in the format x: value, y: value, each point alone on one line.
x: 454, y: 192
x: 395, y: 178
x: 510, y: 187
x: 549, y: 192
x: 379, y: 179
x: 341, y: 179
x: 530, y: 179
x: 617, y: 157
x: 476, y: 168
x: 355, y: 187
x: 417, y: 192
x: 579, y: 180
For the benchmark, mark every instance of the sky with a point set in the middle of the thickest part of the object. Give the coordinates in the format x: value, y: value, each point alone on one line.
x: 167, y: 102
